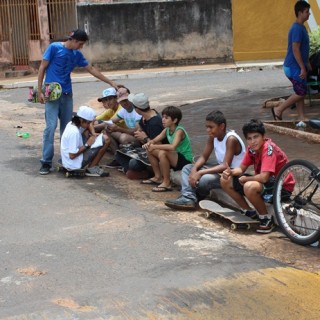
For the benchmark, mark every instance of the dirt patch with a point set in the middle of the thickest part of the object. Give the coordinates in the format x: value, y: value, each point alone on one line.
x: 71, y: 304
x: 33, y: 272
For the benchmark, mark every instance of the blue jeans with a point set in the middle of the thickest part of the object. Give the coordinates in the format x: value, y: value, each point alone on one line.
x: 206, y: 183
x: 62, y: 109
x: 128, y: 163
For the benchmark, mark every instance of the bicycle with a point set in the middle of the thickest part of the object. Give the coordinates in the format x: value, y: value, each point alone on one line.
x: 298, y: 212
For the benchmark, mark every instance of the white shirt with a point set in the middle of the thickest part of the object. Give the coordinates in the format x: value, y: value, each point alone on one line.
x: 130, y: 118
x: 220, y: 148
x: 71, y: 142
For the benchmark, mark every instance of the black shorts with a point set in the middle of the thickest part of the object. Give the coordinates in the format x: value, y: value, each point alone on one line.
x: 182, y: 161
x: 267, y: 191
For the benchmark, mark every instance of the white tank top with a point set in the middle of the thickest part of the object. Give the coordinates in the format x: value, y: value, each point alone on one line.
x: 220, y: 148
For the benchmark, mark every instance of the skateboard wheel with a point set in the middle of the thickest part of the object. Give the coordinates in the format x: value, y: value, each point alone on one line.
x: 207, y: 214
x: 248, y: 226
x: 233, y: 226
x: 68, y: 174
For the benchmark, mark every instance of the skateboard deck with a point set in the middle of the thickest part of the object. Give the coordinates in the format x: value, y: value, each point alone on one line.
x: 52, y: 91
x: 237, y: 220
x: 137, y: 153
x: 71, y: 173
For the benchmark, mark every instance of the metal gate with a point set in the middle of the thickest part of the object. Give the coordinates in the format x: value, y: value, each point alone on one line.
x: 19, y: 24
x: 61, y: 17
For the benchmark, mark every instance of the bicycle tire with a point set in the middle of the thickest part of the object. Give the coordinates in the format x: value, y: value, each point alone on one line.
x: 299, y: 215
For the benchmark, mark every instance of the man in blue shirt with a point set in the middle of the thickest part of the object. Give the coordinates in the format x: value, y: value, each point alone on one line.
x: 59, y: 59
x: 296, y: 63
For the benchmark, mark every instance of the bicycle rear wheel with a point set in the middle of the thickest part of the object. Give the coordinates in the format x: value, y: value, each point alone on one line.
x: 298, y: 213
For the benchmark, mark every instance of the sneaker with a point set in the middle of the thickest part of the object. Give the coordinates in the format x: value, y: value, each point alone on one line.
x: 114, y: 164
x: 45, y: 169
x: 250, y: 214
x: 181, y: 203
x: 96, y: 172
x: 266, y: 225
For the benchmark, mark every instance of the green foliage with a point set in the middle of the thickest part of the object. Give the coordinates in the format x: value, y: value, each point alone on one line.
x: 314, y: 41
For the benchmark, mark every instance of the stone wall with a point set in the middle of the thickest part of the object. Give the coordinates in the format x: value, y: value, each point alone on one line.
x: 140, y: 34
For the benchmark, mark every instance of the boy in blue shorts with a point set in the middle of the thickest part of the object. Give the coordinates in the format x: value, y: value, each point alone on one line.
x: 175, y: 154
x: 267, y: 159
x: 296, y: 63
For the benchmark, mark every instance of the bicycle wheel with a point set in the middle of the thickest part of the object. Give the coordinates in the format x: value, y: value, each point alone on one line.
x: 298, y: 213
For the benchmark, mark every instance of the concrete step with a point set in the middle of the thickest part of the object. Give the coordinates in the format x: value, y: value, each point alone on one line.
x: 16, y: 73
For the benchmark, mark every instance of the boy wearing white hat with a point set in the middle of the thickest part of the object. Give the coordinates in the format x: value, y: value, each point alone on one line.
x: 76, y: 150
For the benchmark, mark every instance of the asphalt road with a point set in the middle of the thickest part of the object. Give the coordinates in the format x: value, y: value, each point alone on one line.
x: 90, y: 249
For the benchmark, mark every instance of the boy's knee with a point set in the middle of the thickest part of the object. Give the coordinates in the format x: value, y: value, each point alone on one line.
x: 251, y: 187
x: 226, y: 183
x: 123, y: 139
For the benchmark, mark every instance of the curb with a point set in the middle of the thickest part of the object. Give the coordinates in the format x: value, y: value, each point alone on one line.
x: 306, y: 136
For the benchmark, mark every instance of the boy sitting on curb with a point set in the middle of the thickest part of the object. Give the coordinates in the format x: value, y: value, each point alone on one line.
x: 176, y: 154
x: 196, y: 179
x: 76, y: 151
x: 150, y: 125
x: 112, y: 108
x: 267, y: 159
x: 123, y: 135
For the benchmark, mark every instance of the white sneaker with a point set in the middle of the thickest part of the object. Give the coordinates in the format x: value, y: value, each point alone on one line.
x: 96, y: 172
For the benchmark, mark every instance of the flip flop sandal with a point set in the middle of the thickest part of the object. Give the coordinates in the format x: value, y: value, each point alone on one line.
x: 161, y: 189
x: 150, y: 182
x: 275, y: 117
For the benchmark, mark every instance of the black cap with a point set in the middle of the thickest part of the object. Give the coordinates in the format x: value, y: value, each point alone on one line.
x: 79, y: 35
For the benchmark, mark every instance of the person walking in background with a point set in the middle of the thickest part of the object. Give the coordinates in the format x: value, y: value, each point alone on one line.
x: 296, y: 63
x: 59, y: 59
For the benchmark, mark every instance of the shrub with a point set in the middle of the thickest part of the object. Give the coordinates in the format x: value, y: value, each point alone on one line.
x: 314, y: 41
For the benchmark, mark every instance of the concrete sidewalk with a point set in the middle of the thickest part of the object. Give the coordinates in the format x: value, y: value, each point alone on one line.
x: 26, y: 81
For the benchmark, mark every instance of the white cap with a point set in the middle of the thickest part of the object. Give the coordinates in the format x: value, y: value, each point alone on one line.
x: 110, y: 92
x: 86, y: 113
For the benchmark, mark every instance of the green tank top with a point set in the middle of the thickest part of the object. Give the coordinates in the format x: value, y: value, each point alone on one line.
x: 184, y: 147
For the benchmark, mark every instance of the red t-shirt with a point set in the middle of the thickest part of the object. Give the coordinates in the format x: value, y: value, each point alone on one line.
x: 270, y: 159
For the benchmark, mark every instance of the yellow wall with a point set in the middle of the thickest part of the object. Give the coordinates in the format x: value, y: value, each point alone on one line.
x: 260, y: 28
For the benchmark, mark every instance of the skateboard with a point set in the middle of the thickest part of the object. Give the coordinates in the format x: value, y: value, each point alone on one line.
x: 71, y: 173
x: 237, y: 220
x: 133, y: 152
x: 52, y: 91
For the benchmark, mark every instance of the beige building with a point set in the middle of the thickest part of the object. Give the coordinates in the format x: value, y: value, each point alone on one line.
x: 260, y: 28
